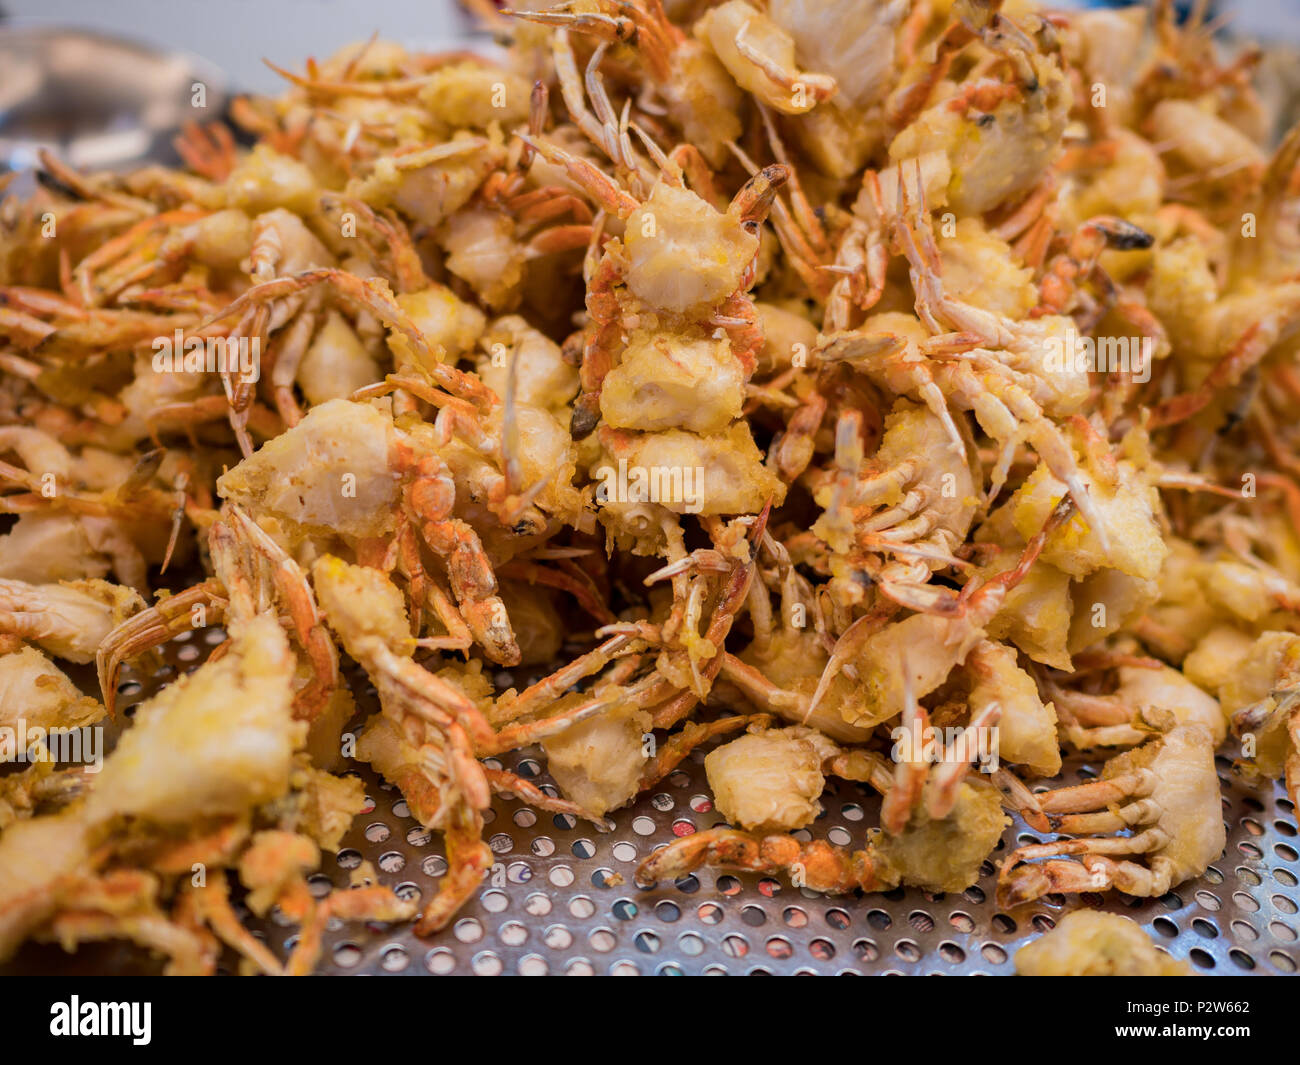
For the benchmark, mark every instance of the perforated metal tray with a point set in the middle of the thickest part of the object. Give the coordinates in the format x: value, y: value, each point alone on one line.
x: 562, y: 899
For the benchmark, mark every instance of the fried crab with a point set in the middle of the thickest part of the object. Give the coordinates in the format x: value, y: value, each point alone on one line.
x: 785, y: 383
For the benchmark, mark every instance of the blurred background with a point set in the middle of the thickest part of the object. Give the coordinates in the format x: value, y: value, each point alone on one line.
x: 114, y: 89
x: 234, y: 35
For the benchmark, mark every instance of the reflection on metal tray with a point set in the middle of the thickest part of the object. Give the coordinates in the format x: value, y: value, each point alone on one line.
x: 561, y: 898
x: 97, y: 101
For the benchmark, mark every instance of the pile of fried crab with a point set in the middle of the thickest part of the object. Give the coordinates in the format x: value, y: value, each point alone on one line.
x: 799, y: 377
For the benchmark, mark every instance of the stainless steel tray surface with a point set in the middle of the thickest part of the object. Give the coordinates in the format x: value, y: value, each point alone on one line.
x: 562, y: 899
